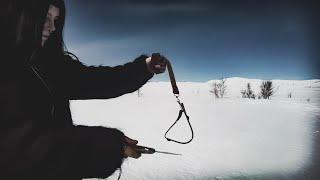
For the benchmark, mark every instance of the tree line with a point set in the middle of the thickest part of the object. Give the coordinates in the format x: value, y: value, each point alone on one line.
x: 218, y: 89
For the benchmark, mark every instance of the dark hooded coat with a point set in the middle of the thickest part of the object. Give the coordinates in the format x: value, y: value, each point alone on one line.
x: 38, y: 139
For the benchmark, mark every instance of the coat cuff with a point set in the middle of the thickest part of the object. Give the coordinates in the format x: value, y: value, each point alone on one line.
x: 141, y: 62
x: 105, y: 154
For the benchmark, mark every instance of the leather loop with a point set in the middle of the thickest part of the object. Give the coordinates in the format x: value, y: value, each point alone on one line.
x: 175, y: 91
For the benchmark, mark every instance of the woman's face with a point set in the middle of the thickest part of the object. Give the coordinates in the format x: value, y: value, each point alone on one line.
x: 49, y: 25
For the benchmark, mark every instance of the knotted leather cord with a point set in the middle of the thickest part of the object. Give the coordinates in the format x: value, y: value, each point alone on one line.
x: 175, y: 91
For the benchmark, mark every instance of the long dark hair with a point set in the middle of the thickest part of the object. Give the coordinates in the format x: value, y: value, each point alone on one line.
x: 25, y: 21
x: 55, y: 44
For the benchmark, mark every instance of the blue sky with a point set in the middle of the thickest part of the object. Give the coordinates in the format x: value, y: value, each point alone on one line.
x: 203, y: 39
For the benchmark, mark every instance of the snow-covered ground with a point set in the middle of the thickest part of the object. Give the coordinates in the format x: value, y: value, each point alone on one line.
x: 233, y: 137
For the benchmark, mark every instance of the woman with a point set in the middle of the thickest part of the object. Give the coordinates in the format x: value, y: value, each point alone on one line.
x: 37, y: 137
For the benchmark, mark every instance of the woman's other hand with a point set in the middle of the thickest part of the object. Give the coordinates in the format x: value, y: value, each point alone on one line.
x: 156, y: 63
x: 129, y: 150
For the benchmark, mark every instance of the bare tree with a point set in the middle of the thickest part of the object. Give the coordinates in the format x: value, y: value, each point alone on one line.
x: 266, y: 89
x: 222, y: 87
x: 219, y: 88
x: 248, y: 93
x: 139, y: 93
x: 214, y: 90
x: 259, y: 96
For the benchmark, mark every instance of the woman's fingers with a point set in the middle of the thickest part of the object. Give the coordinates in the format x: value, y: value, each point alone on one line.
x: 130, y: 141
x: 160, y: 69
x: 162, y: 64
x: 130, y: 151
x: 158, y: 63
x: 159, y: 66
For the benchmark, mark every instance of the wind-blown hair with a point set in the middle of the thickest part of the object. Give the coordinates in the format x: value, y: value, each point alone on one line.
x: 24, y: 25
x: 55, y: 43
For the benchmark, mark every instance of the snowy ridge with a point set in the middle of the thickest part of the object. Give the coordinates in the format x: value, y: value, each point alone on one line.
x: 234, y: 138
x: 300, y: 90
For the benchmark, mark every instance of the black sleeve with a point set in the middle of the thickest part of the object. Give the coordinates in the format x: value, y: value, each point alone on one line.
x: 32, y: 147
x: 80, y: 152
x: 89, y: 82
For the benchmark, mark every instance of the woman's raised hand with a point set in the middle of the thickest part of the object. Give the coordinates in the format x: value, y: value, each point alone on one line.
x: 156, y: 63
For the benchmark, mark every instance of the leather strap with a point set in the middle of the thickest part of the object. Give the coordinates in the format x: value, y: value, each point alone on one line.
x: 175, y: 89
